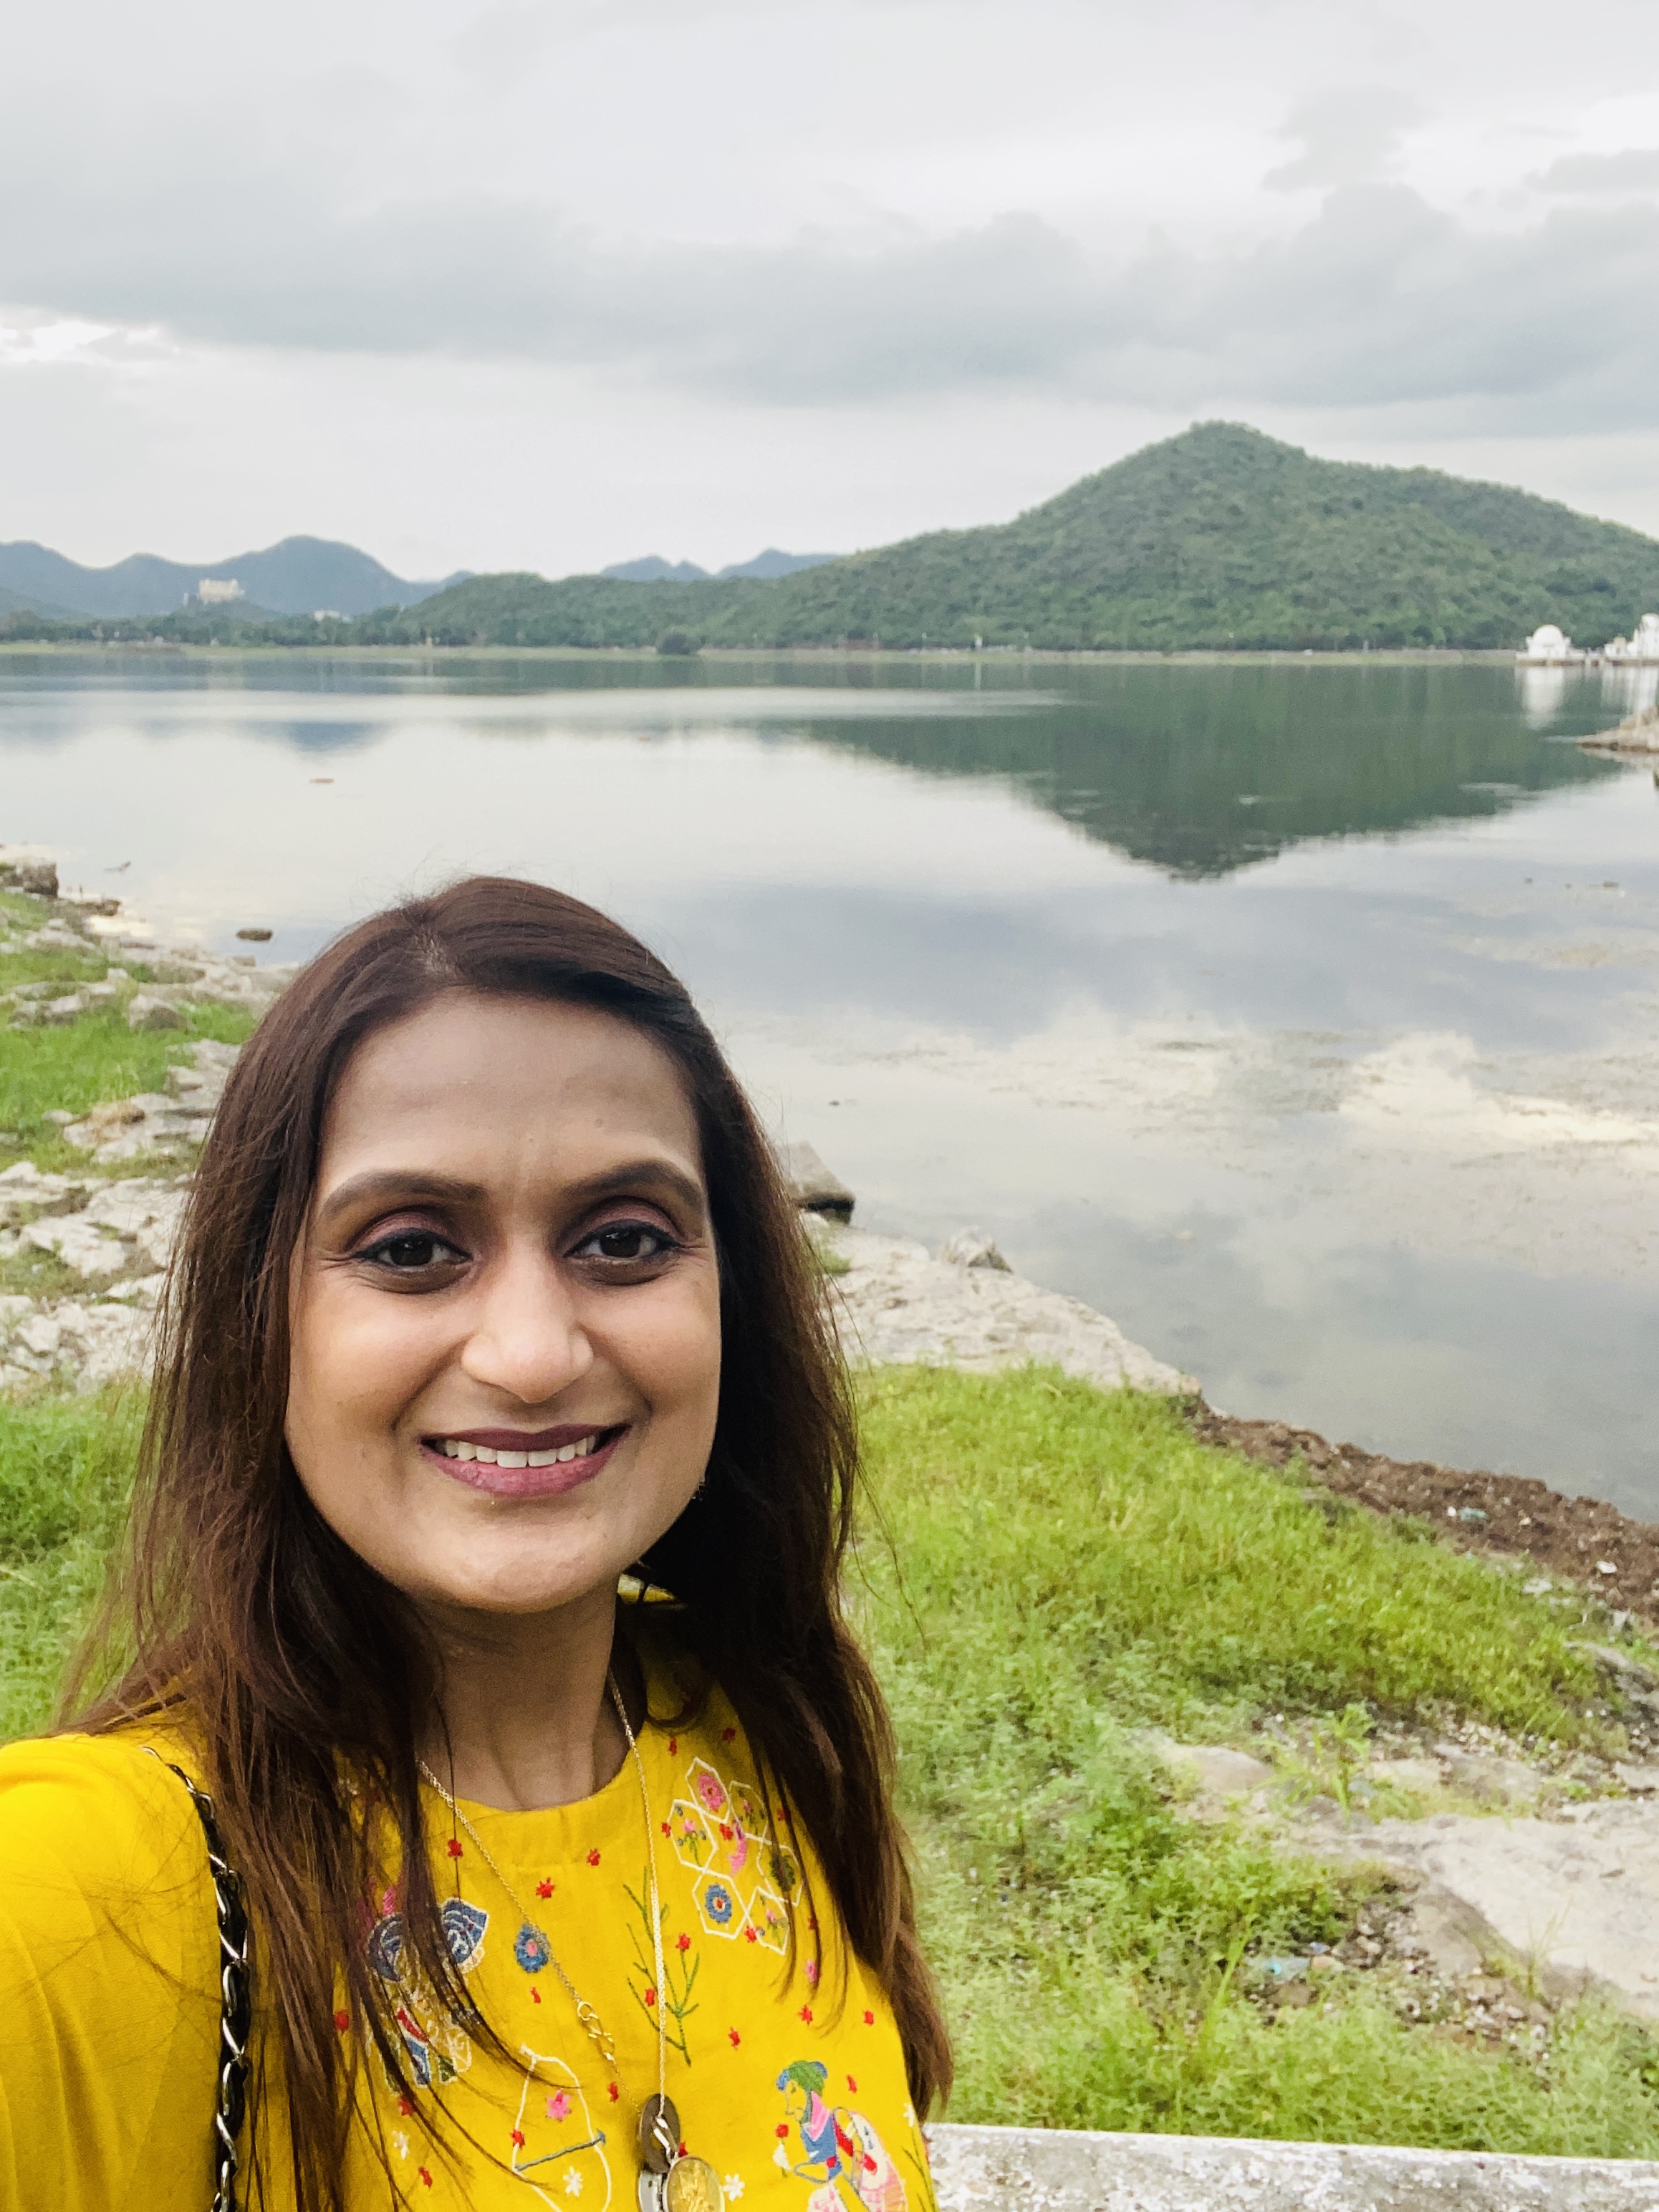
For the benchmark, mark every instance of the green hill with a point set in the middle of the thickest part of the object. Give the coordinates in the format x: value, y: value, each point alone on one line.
x: 1220, y: 538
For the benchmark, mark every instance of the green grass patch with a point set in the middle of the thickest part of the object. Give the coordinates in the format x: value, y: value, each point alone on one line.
x: 1056, y: 1571
x: 1056, y: 1568
x: 65, y: 1472
x: 87, y: 1062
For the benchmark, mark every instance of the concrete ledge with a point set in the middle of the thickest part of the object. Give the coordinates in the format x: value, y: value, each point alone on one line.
x: 1055, y: 2170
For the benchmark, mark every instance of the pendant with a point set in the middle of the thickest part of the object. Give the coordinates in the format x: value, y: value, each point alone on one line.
x: 659, y: 2134
x: 690, y: 2184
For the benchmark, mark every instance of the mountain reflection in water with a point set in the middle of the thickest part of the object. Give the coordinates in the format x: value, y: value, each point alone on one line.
x: 1304, y: 1016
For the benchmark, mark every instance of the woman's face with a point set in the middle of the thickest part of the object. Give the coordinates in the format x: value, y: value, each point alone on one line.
x: 506, y: 1308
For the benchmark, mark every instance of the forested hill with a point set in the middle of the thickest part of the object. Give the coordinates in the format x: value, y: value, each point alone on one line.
x: 1220, y: 537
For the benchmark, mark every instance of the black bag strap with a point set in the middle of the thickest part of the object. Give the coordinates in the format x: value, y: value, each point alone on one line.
x: 235, y: 1999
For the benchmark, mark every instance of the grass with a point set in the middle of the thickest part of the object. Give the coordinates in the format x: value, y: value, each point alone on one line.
x: 1062, y: 1569
x: 65, y: 1470
x: 1055, y: 1573
x: 86, y: 1061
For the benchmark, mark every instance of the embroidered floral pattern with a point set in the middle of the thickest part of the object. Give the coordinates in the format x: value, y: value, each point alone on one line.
x: 746, y: 1879
x: 531, y: 1949
x: 717, y: 1905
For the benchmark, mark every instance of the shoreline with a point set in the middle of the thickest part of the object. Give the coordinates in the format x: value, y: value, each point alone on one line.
x: 945, y: 656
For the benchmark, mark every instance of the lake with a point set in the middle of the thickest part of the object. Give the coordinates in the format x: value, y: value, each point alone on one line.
x: 1304, y: 1016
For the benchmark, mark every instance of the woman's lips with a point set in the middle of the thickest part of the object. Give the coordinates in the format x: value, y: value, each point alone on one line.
x: 523, y: 1463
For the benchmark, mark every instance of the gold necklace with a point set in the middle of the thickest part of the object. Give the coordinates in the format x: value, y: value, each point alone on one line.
x: 671, y: 2180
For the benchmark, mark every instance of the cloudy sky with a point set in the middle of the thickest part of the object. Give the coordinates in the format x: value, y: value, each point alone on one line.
x: 548, y: 283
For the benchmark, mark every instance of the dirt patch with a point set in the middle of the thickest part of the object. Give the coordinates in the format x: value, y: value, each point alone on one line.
x: 1581, y: 1539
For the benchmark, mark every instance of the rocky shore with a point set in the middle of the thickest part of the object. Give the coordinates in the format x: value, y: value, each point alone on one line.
x: 1636, y: 733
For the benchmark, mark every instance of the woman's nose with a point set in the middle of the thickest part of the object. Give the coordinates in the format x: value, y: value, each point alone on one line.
x: 527, y: 1338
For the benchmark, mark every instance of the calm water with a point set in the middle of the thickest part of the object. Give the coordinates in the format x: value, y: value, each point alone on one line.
x: 1305, y: 1018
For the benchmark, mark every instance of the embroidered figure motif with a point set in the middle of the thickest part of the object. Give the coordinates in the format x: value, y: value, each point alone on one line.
x: 843, y: 2154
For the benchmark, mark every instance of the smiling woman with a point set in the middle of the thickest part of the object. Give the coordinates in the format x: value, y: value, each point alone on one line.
x: 482, y: 1678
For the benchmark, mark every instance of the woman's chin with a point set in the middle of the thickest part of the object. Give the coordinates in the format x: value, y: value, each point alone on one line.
x: 515, y: 1587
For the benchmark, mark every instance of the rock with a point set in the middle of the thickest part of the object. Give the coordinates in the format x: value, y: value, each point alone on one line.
x: 22, y: 869
x: 146, y: 1011
x: 1640, y: 1781
x: 968, y: 1248
x: 200, y: 1086
x: 25, y: 1192
x: 254, y: 936
x: 1624, y: 1667
x: 1218, y: 1772
x: 122, y: 1128
x: 65, y: 1010
x: 1450, y: 1934
x: 895, y: 1302
x: 39, y: 1335
x: 815, y: 1189
x: 105, y: 1341
x: 1485, y: 1776
x: 1417, y: 1775
x: 78, y: 1243
x: 142, y: 1211
x: 1574, y: 1900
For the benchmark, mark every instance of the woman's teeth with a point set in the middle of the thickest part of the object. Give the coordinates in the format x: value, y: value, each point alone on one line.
x: 458, y: 1448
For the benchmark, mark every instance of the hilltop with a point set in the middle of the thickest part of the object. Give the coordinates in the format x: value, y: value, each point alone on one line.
x: 1220, y: 537
x: 295, y: 577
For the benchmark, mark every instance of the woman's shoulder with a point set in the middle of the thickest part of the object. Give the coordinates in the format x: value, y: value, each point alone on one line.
x: 87, y: 1820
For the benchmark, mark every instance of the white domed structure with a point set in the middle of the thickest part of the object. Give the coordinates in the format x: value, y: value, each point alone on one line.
x: 1548, y: 647
x: 1642, y: 648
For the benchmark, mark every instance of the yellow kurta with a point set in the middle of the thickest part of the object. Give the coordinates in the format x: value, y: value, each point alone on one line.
x: 789, y: 2081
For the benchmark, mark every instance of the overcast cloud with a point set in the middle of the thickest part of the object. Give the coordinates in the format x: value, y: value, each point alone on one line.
x: 253, y: 268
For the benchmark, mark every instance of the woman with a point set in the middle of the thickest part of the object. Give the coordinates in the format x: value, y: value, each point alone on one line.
x: 490, y: 1315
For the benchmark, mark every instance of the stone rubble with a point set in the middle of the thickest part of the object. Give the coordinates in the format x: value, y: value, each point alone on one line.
x: 128, y: 1126
x: 898, y: 1303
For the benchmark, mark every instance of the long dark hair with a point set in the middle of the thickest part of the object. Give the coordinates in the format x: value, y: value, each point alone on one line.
x: 306, y: 1675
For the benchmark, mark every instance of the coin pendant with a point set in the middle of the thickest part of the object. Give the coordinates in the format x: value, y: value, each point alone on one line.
x: 692, y: 2185
x: 659, y: 2134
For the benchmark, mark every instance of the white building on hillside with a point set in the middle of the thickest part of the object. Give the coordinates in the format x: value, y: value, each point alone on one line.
x: 1642, y: 648
x: 1549, y: 647
x: 217, y: 591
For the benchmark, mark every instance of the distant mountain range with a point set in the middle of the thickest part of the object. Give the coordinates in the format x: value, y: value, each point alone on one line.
x: 765, y: 568
x: 296, y: 577
x: 1220, y: 537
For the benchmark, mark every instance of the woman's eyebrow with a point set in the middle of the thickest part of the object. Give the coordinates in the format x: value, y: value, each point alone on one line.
x: 384, y: 1185
x: 635, y: 1175
x: 390, y: 1186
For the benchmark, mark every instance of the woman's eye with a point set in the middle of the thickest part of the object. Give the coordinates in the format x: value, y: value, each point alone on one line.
x: 626, y: 1243
x: 409, y: 1250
